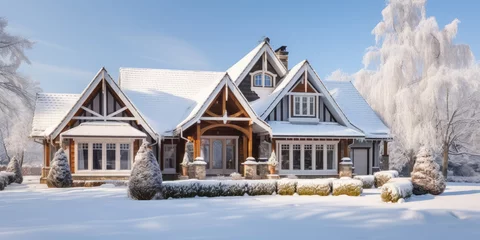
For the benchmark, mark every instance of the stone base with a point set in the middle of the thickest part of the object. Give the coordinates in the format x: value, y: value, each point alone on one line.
x: 250, y: 168
x: 183, y: 178
x: 199, y: 168
x: 273, y: 176
x: 262, y: 170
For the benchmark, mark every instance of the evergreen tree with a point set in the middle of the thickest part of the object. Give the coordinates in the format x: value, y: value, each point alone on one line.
x: 14, y: 167
x: 59, y: 175
x: 426, y: 175
x: 146, y: 178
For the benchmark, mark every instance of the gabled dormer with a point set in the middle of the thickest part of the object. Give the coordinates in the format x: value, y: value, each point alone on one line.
x: 260, y: 71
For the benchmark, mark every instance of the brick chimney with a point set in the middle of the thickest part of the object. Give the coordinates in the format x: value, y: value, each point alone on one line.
x: 282, y: 54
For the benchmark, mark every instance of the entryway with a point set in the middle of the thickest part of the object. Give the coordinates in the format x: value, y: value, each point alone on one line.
x: 360, y: 161
x: 220, y: 153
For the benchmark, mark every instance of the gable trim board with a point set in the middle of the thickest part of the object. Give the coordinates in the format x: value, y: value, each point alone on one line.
x: 102, y: 74
x: 226, y: 81
x: 241, y: 68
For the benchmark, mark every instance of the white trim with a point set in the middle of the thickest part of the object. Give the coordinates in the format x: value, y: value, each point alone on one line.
x: 263, y: 73
x: 302, y: 170
x: 165, y: 169
x: 309, y: 102
x: 104, y: 142
x: 106, y: 118
x: 226, y: 118
x: 92, y: 112
x: 117, y: 112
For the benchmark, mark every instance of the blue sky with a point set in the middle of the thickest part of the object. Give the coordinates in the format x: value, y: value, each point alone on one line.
x: 76, y: 38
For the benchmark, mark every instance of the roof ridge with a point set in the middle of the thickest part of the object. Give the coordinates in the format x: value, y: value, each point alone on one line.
x: 171, y: 70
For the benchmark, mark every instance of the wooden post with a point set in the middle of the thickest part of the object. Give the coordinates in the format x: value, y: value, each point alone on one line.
x: 345, y: 148
x: 274, y: 145
x: 198, y: 141
x: 224, y: 102
x: 250, y: 140
x: 385, y: 148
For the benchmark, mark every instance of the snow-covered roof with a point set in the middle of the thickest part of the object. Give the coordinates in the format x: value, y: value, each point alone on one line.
x: 167, y: 97
x: 357, y: 110
x: 322, y: 129
x: 50, y: 109
x: 237, y: 69
x: 104, y: 129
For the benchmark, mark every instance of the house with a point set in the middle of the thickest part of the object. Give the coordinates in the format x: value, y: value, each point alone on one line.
x: 257, y: 106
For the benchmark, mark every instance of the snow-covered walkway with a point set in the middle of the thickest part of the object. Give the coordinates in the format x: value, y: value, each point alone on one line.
x: 32, y: 211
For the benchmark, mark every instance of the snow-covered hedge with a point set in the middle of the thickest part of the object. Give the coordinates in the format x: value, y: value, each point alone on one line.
x: 367, y: 180
x: 286, y: 186
x: 382, y: 177
x: 180, y: 189
x: 347, y: 186
x: 261, y: 187
x: 320, y: 187
x: 395, y: 190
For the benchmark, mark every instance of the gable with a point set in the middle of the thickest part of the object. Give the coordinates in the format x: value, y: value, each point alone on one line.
x: 102, y: 100
x: 225, y: 103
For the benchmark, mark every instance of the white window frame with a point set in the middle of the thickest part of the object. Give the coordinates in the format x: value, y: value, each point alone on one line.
x: 263, y: 73
x: 103, y: 171
x: 165, y: 169
x: 302, y: 170
x: 310, y: 99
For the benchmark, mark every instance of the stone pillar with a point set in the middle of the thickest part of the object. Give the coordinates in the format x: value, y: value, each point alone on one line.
x: 384, y: 164
x: 262, y: 170
x: 250, y: 168
x: 346, y: 167
x: 199, y: 168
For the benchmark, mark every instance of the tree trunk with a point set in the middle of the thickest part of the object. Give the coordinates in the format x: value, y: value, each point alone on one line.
x: 445, y: 160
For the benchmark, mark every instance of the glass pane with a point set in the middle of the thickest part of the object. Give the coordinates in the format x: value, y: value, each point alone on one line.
x: 285, y: 157
x: 82, y: 156
x: 304, y: 106
x: 307, y: 157
x: 296, y: 157
x: 268, y: 81
x: 297, y: 105
x: 230, y: 156
x: 97, y: 156
x: 125, y: 162
x: 169, y: 156
x: 319, y: 157
x: 217, y: 154
x: 111, y: 156
x: 258, y: 80
x: 312, y: 106
x: 330, y: 151
x: 206, y: 151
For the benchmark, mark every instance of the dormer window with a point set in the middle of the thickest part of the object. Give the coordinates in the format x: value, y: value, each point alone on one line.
x: 263, y: 79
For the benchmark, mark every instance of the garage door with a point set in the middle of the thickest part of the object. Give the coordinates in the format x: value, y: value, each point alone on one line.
x: 360, y: 161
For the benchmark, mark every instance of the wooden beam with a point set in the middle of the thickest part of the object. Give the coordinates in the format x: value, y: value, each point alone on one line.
x: 250, y: 140
x: 345, y: 148
x: 243, y: 130
x: 197, y: 141
x: 104, y: 92
x: 224, y: 102
x: 385, y: 148
x: 274, y: 145
x: 208, y: 112
x: 237, y: 114
x: 227, y: 118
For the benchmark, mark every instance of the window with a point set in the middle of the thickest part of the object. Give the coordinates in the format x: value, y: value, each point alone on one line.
x: 230, y: 153
x: 82, y: 156
x: 258, y: 80
x: 104, y: 156
x: 111, y: 159
x: 304, y: 106
x: 97, y: 156
x: 169, y: 155
x: 268, y: 81
x: 206, y: 151
x: 125, y: 161
x: 303, y: 156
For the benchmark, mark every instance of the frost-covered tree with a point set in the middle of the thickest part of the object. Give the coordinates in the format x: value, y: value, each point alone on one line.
x: 14, y: 167
x: 59, y: 175
x: 426, y: 175
x: 423, y: 84
x: 146, y: 178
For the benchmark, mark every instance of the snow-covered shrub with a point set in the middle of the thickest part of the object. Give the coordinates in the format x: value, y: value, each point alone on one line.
x: 236, y: 176
x: 426, y: 175
x: 367, y: 180
x: 272, y: 161
x: 314, y: 187
x: 395, y: 190
x: 286, y: 186
x: 146, y: 178
x: 292, y: 176
x: 347, y: 186
x: 233, y: 188
x: 14, y: 167
x: 59, y: 175
x: 394, y: 173
x: 209, y: 188
x: 382, y: 177
x: 180, y: 189
x: 261, y: 187
x: 8, y: 177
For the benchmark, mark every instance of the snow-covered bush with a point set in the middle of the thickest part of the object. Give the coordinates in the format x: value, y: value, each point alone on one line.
x: 236, y: 176
x: 180, y: 189
x: 5, y: 179
x: 14, y: 167
x: 382, y: 177
x: 347, y: 186
x: 393, y: 172
x: 314, y: 187
x: 261, y: 187
x: 146, y: 178
x: 286, y: 186
x: 426, y: 175
x: 59, y: 175
x: 367, y: 180
x: 272, y: 161
x: 233, y: 188
x: 395, y: 190
x: 209, y: 188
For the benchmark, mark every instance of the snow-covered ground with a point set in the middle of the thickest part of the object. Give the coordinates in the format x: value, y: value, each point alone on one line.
x: 32, y: 211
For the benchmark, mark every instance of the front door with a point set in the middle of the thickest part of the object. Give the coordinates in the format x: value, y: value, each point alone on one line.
x: 220, y: 153
x: 360, y: 161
